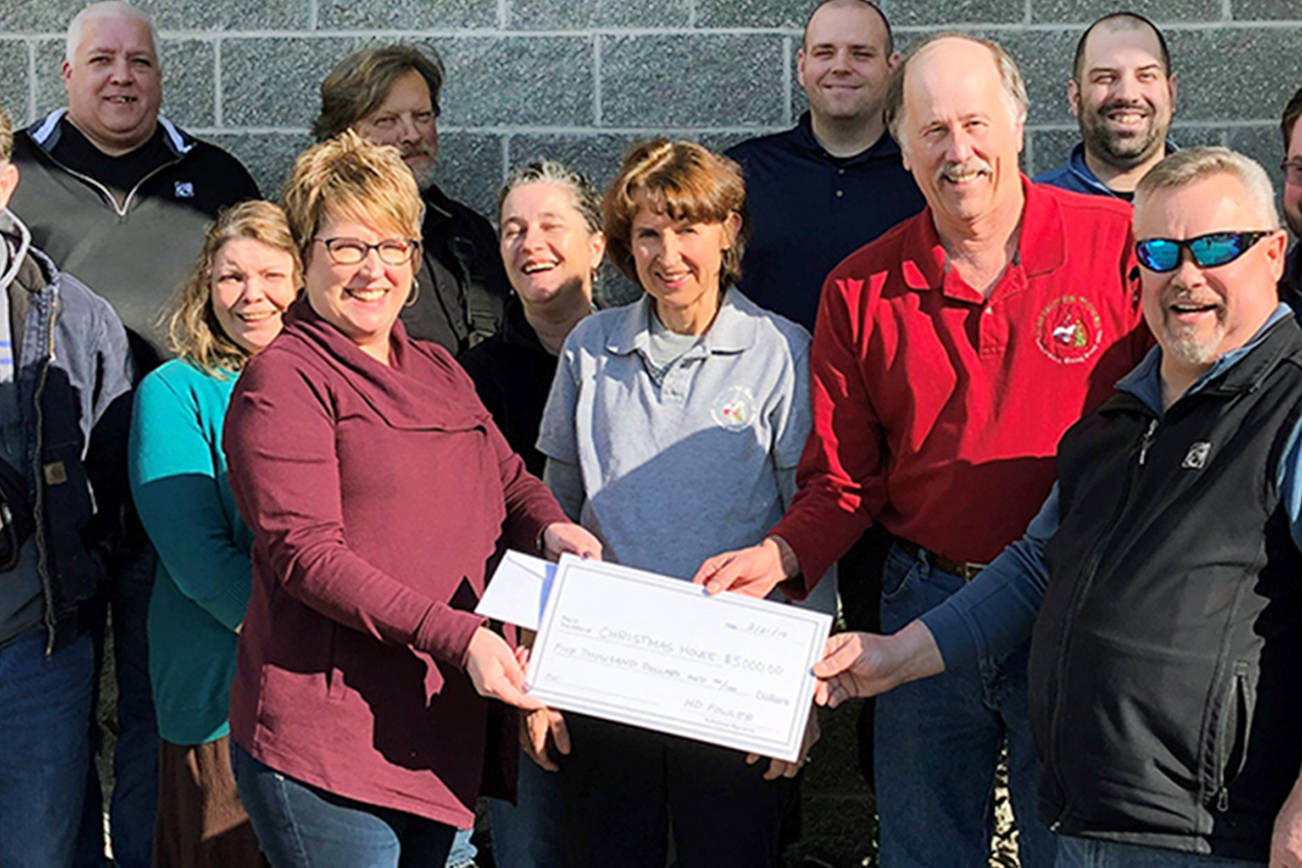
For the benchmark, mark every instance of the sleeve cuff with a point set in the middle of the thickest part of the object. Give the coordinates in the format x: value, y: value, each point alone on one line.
x: 445, y: 632
x: 956, y: 643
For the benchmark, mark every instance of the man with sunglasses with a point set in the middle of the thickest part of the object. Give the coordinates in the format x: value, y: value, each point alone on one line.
x: 1160, y: 581
x: 1291, y: 126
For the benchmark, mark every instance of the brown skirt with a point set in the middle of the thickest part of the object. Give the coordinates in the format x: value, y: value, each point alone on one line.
x: 201, y: 823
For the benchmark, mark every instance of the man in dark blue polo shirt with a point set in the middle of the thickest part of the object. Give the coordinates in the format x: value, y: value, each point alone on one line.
x: 820, y: 191
x: 1122, y: 92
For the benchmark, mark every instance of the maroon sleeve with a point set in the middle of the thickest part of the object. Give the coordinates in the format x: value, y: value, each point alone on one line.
x: 840, y: 476
x: 279, y: 440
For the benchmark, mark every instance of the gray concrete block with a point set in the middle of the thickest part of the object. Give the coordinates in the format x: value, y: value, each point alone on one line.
x: 1255, y: 10
x: 52, y: 16
x: 46, y: 16
x: 1236, y: 74
x: 583, y: 14
x: 187, y: 64
x: 597, y: 156
x: 227, y: 14
x: 1082, y: 12
x: 752, y: 13
x: 267, y: 156
x: 1044, y: 57
x: 518, y: 81
x: 714, y: 80
x: 13, y: 72
x: 469, y: 169
x: 939, y: 13
x: 1264, y: 144
x: 413, y: 14
x: 276, y: 81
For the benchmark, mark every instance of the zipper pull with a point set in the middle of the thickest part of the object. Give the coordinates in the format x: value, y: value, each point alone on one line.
x: 1147, y: 441
x: 1223, y: 800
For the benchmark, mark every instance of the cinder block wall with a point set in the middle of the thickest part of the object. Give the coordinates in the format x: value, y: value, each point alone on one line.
x: 579, y: 79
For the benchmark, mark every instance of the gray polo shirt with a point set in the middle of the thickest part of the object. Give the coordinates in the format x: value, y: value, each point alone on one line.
x: 679, y: 470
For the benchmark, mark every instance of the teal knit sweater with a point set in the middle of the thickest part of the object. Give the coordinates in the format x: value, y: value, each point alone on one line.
x: 201, y: 590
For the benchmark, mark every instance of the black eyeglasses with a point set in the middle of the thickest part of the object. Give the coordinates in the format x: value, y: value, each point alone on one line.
x: 1292, y: 170
x: 351, y: 251
x: 1208, y: 251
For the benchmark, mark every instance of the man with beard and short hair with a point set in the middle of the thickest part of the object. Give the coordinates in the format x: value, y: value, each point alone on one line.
x: 950, y: 355
x: 390, y: 95
x: 1122, y: 92
x: 1291, y: 126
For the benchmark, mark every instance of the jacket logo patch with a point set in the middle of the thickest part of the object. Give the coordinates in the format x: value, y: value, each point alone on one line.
x: 1196, y: 457
x: 734, y: 408
x: 1069, y: 329
x: 183, y: 189
x: 55, y: 473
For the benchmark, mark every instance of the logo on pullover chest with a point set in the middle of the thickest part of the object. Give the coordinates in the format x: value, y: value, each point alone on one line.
x: 1196, y: 457
x: 183, y: 189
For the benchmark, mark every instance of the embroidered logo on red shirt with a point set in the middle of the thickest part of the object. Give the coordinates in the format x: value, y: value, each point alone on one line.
x: 1069, y: 329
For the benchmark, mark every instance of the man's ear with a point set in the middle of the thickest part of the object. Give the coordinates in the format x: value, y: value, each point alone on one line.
x: 8, y: 182
x: 1073, y: 97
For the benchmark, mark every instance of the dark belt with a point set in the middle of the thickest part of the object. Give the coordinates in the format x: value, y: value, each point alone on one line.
x: 967, y: 569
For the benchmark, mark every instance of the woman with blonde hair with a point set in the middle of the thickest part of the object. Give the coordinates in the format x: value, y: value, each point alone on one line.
x: 377, y: 488
x: 229, y: 309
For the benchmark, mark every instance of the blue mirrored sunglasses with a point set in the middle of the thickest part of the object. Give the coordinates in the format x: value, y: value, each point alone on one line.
x: 1209, y: 251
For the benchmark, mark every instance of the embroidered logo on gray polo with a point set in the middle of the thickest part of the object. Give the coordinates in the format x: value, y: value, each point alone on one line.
x: 734, y: 408
x: 183, y: 189
x: 1196, y: 457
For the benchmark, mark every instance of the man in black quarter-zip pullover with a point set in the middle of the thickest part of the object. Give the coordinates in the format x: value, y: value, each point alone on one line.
x: 1161, y: 582
x: 120, y: 197
x: 114, y: 192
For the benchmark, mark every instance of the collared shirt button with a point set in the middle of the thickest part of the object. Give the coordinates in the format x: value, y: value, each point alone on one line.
x: 989, y: 311
x: 840, y: 193
x: 840, y: 171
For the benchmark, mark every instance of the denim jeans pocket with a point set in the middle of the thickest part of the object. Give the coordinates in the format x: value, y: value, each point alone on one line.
x: 899, y: 574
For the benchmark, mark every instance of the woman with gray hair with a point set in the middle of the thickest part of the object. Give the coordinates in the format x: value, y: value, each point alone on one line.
x: 551, y: 245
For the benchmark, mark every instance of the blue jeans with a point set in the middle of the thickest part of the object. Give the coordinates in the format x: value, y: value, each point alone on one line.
x: 44, y: 706
x: 530, y: 833
x: 463, y: 852
x: 937, y: 741
x: 302, y: 826
x: 134, y: 802
x: 1089, y: 853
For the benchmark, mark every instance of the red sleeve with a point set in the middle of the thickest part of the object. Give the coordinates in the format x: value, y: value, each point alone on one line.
x: 279, y: 440
x: 840, y: 476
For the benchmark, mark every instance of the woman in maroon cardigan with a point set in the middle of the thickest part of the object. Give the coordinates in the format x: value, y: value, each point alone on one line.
x: 377, y: 488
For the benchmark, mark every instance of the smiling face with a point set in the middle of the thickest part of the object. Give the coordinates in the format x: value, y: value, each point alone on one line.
x: 114, y: 84
x: 1123, y: 98
x: 361, y: 300
x: 844, y: 63
x: 252, y: 283
x: 678, y: 263
x: 1198, y: 314
x: 958, y: 132
x: 546, y: 244
x: 1292, y: 188
x: 405, y: 119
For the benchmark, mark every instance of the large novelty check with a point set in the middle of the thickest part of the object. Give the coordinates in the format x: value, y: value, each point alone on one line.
x: 656, y: 652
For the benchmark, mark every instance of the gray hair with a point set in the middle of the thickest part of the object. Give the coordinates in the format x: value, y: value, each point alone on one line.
x: 107, y: 9
x: 1010, y: 78
x: 1191, y: 165
x: 587, y: 201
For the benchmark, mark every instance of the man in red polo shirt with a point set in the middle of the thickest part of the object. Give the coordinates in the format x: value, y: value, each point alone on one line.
x: 949, y: 356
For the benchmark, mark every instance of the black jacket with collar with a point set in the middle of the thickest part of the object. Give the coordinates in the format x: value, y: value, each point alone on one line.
x: 1164, y: 685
